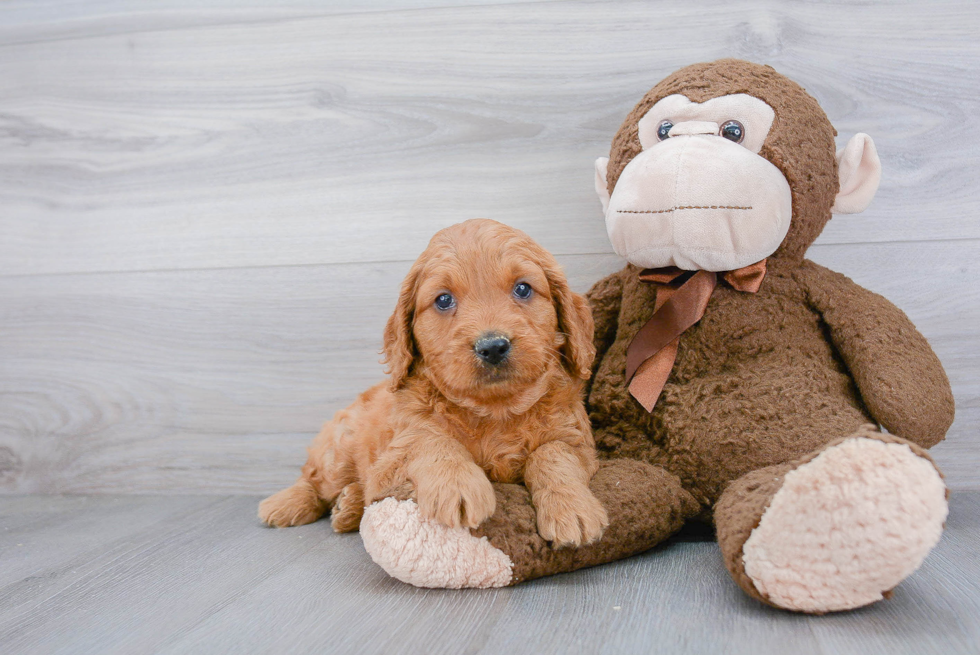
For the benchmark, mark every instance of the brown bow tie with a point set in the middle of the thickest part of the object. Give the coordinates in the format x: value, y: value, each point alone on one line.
x: 682, y: 297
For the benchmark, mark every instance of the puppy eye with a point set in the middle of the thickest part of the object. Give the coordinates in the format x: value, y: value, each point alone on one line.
x: 445, y: 301
x: 733, y: 131
x: 522, y: 290
x: 663, y: 131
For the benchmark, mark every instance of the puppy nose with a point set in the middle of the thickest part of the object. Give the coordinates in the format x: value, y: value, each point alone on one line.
x: 492, y: 348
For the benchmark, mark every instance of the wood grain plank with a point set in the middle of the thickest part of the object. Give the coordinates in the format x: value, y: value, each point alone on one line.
x: 139, y: 590
x: 214, y: 381
x: 44, y: 533
x: 215, y: 581
x: 51, y: 20
x: 340, y: 601
x: 288, y: 142
x: 675, y: 599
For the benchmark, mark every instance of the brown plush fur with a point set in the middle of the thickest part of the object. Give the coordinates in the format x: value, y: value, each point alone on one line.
x: 763, y: 379
x: 646, y: 504
x: 446, y: 423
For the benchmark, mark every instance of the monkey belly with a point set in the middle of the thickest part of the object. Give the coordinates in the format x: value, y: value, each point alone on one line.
x: 755, y: 383
x: 720, y: 426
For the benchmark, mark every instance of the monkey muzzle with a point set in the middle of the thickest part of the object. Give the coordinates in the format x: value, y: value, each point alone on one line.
x: 699, y: 202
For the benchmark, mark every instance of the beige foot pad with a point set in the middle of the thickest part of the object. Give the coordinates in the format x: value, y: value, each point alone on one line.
x: 847, y: 526
x: 425, y: 553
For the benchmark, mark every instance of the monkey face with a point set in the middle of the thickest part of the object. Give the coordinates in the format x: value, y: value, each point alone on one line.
x: 698, y: 195
x: 724, y: 163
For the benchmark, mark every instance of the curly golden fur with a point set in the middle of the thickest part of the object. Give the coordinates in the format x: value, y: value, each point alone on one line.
x: 447, y: 423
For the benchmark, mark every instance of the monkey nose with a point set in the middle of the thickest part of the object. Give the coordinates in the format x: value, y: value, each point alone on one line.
x: 693, y: 127
x: 492, y: 348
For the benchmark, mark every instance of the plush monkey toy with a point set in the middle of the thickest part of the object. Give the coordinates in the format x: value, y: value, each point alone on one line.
x: 735, y: 382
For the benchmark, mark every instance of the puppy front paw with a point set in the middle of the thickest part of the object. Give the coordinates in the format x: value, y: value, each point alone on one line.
x: 569, y: 518
x: 459, y: 495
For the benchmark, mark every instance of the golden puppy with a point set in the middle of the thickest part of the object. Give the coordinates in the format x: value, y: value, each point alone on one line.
x: 487, y: 352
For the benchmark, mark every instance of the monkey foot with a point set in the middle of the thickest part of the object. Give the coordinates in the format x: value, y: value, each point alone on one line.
x: 425, y: 553
x: 846, y: 527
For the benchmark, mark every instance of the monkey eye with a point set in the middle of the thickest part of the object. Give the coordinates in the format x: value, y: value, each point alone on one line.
x: 445, y: 302
x: 523, y: 290
x: 663, y: 130
x: 733, y: 131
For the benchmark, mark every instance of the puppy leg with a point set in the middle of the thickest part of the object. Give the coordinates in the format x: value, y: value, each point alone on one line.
x: 310, y: 497
x: 296, y: 505
x: 448, y: 484
x: 451, y: 488
x: 348, y: 508
x: 558, y: 478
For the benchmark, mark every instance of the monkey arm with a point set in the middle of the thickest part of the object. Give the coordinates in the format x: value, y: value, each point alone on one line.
x: 605, y: 298
x: 901, y: 380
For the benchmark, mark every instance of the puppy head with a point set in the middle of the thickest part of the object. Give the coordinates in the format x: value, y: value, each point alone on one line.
x: 486, y: 312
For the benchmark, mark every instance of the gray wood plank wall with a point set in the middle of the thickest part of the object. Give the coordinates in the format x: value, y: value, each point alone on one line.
x: 206, y: 207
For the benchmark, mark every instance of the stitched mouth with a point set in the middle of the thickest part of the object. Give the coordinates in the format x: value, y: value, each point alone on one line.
x: 677, y: 207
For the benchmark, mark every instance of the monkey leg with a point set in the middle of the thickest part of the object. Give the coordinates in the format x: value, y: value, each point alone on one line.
x: 646, y: 504
x: 836, y: 529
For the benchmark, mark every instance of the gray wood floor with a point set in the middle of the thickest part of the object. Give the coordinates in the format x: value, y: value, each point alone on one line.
x: 181, y: 574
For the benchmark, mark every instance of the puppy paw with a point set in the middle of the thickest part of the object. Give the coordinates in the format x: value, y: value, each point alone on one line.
x: 569, y: 519
x: 296, y: 505
x: 460, y: 495
x: 348, y: 508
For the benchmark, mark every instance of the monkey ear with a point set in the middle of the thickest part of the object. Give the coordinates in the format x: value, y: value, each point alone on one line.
x: 399, y: 344
x: 600, y: 182
x: 859, y: 172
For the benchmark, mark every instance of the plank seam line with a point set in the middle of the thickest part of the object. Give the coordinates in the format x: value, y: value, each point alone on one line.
x: 376, y: 262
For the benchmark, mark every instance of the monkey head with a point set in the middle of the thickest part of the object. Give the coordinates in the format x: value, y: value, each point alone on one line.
x: 724, y: 164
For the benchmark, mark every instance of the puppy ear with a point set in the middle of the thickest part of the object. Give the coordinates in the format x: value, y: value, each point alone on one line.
x: 399, y: 343
x: 574, y: 322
